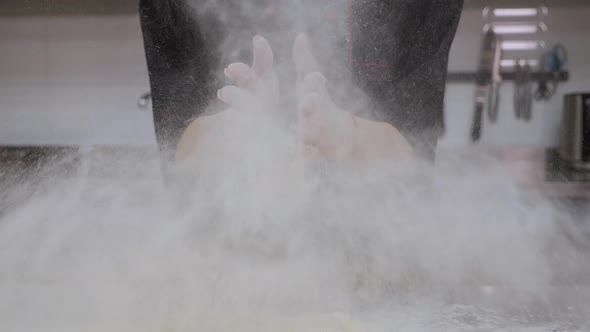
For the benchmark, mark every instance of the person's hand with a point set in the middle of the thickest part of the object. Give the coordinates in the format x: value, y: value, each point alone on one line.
x: 256, y: 86
x: 253, y: 96
x: 330, y: 133
x: 326, y: 132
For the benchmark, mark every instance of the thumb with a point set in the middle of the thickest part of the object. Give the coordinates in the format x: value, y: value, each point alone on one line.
x: 305, y: 62
x: 315, y: 84
x: 263, y: 56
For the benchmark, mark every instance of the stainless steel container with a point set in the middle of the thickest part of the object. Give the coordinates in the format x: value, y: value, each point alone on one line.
x: 575, y: 131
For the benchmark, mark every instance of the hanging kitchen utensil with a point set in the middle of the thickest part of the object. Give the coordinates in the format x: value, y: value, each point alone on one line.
x: 523, y: 90
x: 518, y: 81
x: 527, y: 94
x: 554, y: 62
x: 487, y: 83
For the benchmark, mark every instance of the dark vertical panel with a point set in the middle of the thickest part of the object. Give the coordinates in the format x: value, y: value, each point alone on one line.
x: 586, y: 128
x: 67, y: 7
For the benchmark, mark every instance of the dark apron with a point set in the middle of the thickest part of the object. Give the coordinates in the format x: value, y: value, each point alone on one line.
x: 394, y: 52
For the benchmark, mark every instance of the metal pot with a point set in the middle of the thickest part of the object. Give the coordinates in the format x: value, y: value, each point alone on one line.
x: 575, y: 131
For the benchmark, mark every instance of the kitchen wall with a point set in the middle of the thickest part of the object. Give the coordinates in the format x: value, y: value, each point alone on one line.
x: 567, y: 25
x: 72, y: 80
x: 76, y: 80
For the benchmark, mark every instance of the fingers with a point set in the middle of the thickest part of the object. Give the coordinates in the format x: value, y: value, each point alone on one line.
x: 307, y: 128
x: 309, y: 106
x: 242, y: 74
x: 305, y: 62
x: 234, y: 96
x: 261, y: 72
x: 310, y: 80
x: 256, y: 86
x: 263, y: 57
x: 315, y: 105
x: 262, y: 64
x: 321, y: 125
x: 315, y: 83
x: 308, y: 119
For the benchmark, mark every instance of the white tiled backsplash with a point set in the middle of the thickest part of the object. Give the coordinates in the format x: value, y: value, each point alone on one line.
x: 77, y: 80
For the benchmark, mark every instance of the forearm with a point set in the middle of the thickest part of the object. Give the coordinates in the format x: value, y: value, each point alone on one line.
x: 379, y: 143
x: 373, y: 144
x: 194, y: 140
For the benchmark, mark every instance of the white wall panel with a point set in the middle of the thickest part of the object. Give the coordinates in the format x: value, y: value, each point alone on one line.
x: 569, y: 26
x: 72, y: 80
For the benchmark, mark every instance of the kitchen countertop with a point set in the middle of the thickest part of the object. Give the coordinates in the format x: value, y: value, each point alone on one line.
x: 533, y: 168
x: 542, y: 170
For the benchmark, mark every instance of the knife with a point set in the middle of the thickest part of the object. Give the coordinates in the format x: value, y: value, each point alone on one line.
x: 487, y: 83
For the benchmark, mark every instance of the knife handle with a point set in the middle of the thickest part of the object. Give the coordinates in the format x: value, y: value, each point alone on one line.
x: 493, y: 101
x: 477, y: 123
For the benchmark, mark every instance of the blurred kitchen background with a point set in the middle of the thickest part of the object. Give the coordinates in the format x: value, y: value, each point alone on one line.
x: 73, y: 77
x: 567, y: 22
